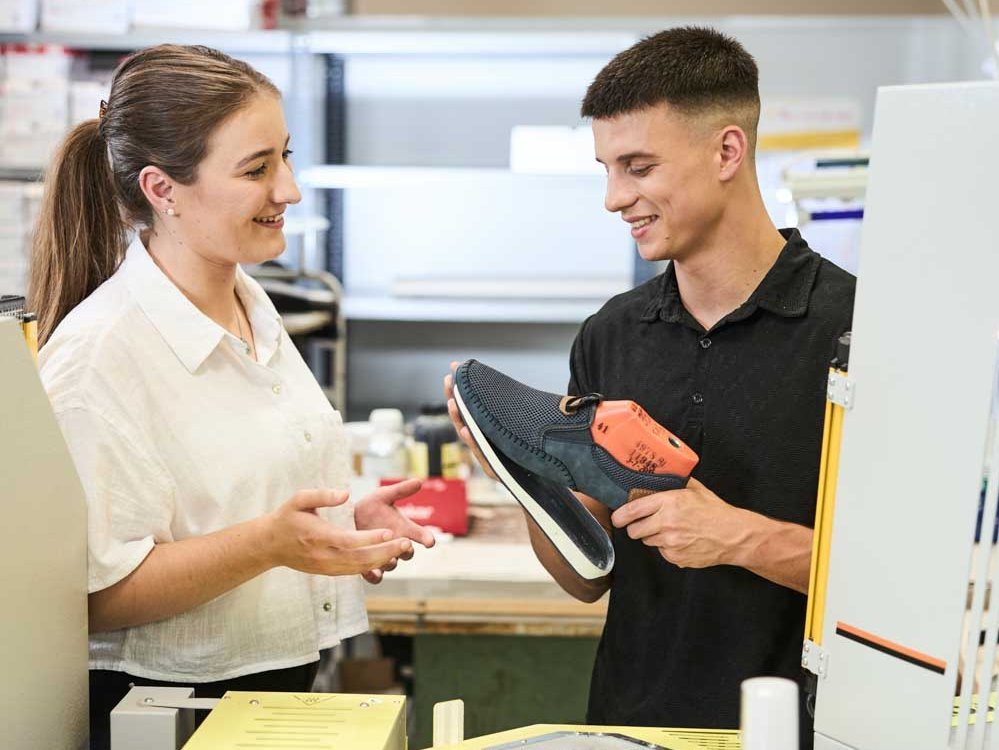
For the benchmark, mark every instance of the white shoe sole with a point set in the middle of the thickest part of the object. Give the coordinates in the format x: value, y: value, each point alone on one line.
x: 576, y: 519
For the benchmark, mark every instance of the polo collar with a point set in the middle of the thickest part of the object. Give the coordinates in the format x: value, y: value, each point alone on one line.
x: 785, y: 290
x: 191, y: 334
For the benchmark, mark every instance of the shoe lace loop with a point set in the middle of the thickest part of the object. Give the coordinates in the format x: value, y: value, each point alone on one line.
x: 569, y: 405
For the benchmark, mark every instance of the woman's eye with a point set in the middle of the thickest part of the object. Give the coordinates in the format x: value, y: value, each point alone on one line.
x: 258, y: 172
x: 286, y: 153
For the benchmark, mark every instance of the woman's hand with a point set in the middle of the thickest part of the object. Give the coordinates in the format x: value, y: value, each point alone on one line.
x: 296, y: 537
x: 378, y: 511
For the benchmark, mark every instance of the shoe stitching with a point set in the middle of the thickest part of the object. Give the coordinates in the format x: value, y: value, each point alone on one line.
x: 519, y: 441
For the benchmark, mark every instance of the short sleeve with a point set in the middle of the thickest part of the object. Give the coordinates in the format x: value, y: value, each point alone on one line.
x: 129, y: 500
x: 579, y: 379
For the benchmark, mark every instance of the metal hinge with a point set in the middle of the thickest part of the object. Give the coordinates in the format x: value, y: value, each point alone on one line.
x: 840, y: 389
x: 815, y: 659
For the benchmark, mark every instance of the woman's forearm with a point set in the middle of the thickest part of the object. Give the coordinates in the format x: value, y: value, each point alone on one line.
x: 178, y: 576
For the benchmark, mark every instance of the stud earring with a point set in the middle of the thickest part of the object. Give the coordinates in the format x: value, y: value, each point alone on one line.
x: 171, y: 212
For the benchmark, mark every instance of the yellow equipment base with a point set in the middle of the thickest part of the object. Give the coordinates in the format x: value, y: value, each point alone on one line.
x: 296, y: 721
x: 672, y: 739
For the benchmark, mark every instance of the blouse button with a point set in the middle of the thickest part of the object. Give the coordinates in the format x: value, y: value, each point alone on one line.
x: 308, y: 436
x: 327, y: 606
x: 277, y: 389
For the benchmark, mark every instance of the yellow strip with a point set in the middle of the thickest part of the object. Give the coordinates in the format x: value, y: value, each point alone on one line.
x: 816, y: 535
x: 825, y: 542
x: 31, y: 337
x: 809, y: 140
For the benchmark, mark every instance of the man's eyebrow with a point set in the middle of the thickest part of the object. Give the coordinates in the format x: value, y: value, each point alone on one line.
x: 632, y: 155
x: 260, y: 154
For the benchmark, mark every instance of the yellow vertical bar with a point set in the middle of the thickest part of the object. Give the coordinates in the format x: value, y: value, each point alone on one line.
x: 816, y: 534
x: 30, y: 327
x: 828, y: 510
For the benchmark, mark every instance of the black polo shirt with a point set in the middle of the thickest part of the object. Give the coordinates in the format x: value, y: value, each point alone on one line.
x: 749, y: 397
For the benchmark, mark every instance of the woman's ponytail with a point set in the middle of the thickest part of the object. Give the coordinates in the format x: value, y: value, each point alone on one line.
x: 81, y: 233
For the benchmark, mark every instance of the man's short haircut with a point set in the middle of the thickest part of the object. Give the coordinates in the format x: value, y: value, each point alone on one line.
x: 697, y: 71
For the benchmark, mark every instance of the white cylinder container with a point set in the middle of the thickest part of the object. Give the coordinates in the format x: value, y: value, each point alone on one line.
x: 769, y: 714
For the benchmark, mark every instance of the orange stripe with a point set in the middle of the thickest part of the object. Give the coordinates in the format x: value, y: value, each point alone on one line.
x: 892, y: 646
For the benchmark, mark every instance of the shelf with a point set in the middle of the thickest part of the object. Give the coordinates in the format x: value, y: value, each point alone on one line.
x: 435, y: 41
x: 21, y: 174
x: 276, y: 41
x: 335, y: 177
x: 468, y: 311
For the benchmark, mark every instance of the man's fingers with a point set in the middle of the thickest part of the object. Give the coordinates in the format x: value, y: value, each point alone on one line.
x: 631, y: 512
x: 372, y: 576
x: 311, y: 499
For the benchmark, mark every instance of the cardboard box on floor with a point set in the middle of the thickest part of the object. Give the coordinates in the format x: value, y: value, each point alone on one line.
x: 369, y: 676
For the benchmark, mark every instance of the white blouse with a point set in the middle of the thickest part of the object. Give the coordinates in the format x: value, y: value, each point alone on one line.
x: 176, y: 432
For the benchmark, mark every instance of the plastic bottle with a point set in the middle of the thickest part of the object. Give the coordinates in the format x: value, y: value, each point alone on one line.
x: 385, y: 457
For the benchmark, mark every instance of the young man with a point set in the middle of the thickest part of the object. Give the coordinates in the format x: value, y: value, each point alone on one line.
x: 729, y: 349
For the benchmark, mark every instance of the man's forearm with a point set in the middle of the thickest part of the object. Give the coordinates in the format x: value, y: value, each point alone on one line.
x: 776, y: 550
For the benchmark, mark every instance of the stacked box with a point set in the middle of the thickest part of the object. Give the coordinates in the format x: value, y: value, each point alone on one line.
x: 90, y: 16
x: 34, y: 104
x: 18, y: 16
x: 221, y: 15
x: 19, y: 203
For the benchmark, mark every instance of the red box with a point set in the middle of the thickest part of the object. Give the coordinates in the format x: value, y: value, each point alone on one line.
x: 442, y: 503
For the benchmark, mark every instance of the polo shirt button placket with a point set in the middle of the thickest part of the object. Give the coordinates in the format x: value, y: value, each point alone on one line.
x: 697, y: 398
x: 705, y: 343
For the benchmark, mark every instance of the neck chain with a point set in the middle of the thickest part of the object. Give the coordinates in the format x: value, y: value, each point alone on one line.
x: 239, y: 327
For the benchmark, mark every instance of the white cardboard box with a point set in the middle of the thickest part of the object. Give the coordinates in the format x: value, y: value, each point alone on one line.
x: 97, y: 16
x: 18, y: 15
x: 221, y: 15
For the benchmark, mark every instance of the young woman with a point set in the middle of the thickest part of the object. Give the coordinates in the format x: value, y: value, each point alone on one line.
x: 222, y: 551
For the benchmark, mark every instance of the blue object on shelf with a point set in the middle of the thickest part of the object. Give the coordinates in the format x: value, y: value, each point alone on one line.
x: 853, y: 213
x: 981, y: 511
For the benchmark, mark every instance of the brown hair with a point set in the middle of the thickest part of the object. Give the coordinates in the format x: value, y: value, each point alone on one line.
x: 164, y: 105
x: 695, y: 70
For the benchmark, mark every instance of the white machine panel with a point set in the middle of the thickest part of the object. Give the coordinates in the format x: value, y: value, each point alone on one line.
x: 43, y: 578
x: 923, y: 358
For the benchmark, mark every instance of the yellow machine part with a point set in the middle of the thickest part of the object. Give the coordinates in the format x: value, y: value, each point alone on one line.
x: 313, y: 721
x: 832, y: 435
x: 672, y: 739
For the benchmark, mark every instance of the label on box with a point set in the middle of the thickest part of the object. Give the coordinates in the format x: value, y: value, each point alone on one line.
x: 442, y: 503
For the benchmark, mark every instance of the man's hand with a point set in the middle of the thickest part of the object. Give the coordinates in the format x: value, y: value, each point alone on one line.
x: 692, y: 527
x: 460, y: 426
x: 378, y: 511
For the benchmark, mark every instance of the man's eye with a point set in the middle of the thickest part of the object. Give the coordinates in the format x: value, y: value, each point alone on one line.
x: 640, y: 171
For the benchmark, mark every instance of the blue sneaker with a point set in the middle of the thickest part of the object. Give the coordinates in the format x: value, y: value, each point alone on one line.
x: 541, y: 445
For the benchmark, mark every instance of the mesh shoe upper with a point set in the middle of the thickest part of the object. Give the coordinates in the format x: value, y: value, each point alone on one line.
x: 529, y: 427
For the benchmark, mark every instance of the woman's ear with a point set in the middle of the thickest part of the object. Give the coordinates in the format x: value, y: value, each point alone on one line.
x: 157, y: 186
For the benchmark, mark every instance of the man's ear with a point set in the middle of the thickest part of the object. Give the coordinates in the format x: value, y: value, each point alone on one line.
x: 157, y: 186
x: 733, y: 150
